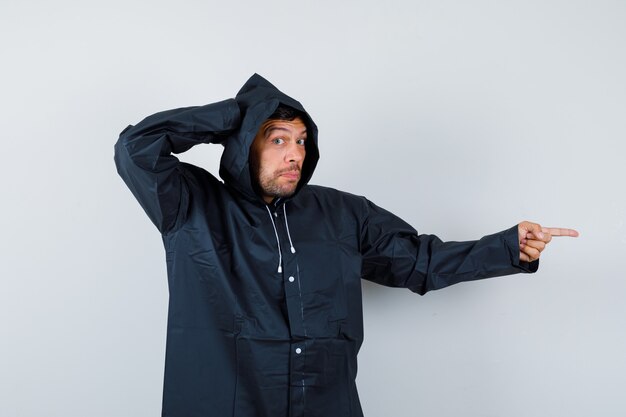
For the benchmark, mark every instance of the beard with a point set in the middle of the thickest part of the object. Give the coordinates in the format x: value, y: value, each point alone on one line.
x: 272, y: 184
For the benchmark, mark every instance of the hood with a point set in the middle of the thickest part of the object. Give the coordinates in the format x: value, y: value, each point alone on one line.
x: 257, y: 100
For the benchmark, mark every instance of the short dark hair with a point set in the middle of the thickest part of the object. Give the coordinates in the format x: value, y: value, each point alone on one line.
x: 284, y: 112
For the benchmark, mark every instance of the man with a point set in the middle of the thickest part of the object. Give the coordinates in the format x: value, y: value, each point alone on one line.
x: 264, y: 270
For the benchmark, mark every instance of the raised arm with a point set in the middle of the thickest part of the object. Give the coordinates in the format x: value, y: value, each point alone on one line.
x: 144, y: 160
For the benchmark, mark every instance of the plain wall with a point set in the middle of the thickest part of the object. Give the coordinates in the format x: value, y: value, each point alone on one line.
x: 463, y: 118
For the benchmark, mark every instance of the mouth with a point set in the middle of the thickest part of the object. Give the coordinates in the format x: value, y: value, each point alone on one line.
x: 292, y: 174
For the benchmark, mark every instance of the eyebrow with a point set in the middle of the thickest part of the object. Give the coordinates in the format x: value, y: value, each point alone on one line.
x: 269, y: 130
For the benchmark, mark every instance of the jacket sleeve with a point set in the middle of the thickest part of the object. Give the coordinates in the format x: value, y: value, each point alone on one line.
x: 396, y: 256
x: 145, y: 161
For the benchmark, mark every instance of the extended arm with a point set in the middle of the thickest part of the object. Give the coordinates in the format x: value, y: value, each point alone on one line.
x: 144, y: 160
x: 395, y: 255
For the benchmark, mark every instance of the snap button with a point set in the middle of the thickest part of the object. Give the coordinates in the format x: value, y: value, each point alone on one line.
x: 298, y: 351
x: 291, y: 279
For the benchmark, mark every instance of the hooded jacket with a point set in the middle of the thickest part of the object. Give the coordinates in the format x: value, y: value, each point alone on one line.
x: 265, y: 315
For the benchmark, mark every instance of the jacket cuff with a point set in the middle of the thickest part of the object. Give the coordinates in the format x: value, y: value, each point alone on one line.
x: 511, y: 240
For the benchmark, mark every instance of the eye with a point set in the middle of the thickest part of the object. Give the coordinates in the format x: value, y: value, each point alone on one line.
x: 301, y: 141
x: 278, y: 141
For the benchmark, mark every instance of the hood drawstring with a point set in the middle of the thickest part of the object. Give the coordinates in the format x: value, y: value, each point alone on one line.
x: 293, y: 250
x: 280, y: 252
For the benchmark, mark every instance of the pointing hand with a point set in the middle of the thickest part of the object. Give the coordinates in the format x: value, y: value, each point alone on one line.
x: 533, y: 239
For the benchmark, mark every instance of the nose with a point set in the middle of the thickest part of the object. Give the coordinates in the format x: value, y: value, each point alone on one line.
x: 294, y: 153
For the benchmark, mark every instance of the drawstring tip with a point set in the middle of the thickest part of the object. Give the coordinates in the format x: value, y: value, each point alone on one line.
x: 293, y: 250
x: 280, y: 269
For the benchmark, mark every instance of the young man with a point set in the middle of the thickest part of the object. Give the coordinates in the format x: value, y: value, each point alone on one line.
x: 265, y: 270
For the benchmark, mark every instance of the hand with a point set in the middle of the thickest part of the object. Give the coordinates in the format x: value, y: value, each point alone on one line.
x: 533, y: 239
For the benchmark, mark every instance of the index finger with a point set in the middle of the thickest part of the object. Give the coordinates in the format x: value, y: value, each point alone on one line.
x: 559, y: 231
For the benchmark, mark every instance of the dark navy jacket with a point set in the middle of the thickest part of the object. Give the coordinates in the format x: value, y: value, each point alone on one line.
x: 265, y: 315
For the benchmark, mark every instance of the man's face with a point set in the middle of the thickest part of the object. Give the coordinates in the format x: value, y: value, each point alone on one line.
x: 276, y: 157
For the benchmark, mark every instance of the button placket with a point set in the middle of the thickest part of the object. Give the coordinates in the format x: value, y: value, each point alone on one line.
x: 293, y: 296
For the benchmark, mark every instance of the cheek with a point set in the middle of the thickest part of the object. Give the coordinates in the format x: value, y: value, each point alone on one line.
x: 267, y: 162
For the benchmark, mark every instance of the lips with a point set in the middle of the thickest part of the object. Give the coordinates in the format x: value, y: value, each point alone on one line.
x: 292, y: 175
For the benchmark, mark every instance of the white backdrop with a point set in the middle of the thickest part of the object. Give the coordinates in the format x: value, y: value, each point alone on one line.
x: 464, y: 118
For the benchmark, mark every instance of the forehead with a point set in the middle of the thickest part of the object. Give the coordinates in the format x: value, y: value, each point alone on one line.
x: 295, y: 126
